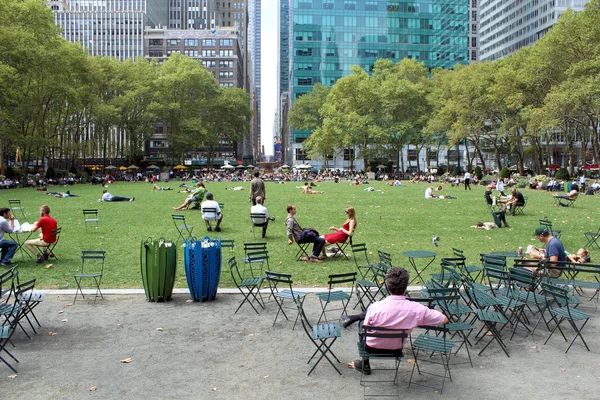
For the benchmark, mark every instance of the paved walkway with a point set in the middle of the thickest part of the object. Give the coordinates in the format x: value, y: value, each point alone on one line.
x: 183, y: 349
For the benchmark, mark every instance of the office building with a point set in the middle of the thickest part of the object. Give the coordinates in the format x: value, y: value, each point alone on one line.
x: 506, y: 26
x: 326, y: 37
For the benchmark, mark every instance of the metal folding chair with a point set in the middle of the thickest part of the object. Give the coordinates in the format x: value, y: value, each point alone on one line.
x: 275, y: 280
x: 302, y: 251
x: 92, y: 266
x: 548, y: 224
x: 259, y: 220
x: 251, y: 285
x: 366, y: 354
x: 432, y: 344
x: 256, y: 257
x: 592, y: 239
x: 184, y: 230
x: 11, y: 321
x: 565, y: 312
x: 91, y: 217
x: 337, y: 295
x: 15, y: 206
x: 49, y: 251
x: 322, y: 335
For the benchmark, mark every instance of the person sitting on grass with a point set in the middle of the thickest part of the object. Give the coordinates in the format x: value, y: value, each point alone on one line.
x: 393, y: 312
x: 307, y: 190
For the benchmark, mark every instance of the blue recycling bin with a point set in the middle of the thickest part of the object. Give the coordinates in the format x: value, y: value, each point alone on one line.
x: 202, y: 259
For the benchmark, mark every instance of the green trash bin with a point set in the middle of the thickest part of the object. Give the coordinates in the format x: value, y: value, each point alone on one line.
x: 158, y: 262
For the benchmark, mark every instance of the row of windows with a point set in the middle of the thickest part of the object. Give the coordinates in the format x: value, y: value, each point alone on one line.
x: 191, y: 42
x: 390, y: 6
x: 381, y: 22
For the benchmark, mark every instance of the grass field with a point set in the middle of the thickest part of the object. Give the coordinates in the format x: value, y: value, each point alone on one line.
x: 395, y: 219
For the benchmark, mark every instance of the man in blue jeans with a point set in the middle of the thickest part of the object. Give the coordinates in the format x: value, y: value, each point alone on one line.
x: 294, y: 233
x: 8, y: 247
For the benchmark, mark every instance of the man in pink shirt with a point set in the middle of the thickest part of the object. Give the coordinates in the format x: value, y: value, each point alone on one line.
x: 396, y: 312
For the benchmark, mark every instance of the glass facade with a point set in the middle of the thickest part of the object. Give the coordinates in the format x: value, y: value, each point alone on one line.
x: 330, y: 36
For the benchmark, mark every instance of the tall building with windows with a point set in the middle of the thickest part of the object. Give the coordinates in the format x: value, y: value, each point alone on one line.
x: 474, y: 30
x: 506, y: 26
x: 326, y: 37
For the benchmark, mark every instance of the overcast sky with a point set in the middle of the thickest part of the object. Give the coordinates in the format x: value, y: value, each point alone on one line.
x: 269, y: 72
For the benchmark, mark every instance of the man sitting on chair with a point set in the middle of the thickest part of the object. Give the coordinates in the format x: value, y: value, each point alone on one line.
x: 516, y: 200
x: 294, y: 232
x: 209, y: 215
x: 47, y: 224
x: 260, y: 209
x: 571, y: 196
x: 393, y: 312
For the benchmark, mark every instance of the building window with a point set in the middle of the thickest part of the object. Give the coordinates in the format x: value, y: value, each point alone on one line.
x: 349, y: 4
x: 155, y: 53
x: 209, y: 42
x: 348, y: 154
x: 304, y: 81
x: 349, y: 21
x: 173, y: 42
x: 191, y: 53
x: 225, y: 64
x: 412, y: 155
x: 371, y: 6
x: 328, y: 5
x: 155, y: 42
x: 227, y: 42
x: 209, y: 53
x: 301, y: 155
x: 190, y: 42
x: 209, y: 63
x: 225, y: 53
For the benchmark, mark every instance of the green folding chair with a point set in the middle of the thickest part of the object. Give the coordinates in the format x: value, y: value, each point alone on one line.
x: 334, y: 294
x: 92, y: 267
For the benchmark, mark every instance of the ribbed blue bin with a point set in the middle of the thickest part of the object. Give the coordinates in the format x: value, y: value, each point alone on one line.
x: 202, y: 267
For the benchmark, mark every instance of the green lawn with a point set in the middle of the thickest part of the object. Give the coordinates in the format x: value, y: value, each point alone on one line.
x: 396, y: 219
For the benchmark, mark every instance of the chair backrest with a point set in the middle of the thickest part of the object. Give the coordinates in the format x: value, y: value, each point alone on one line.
x: 341, y: 279
x: 384, y: 333
x: 548, y: 224
x: 559, y: 294
x: 235, y: 271
x: 210, y: 214
x: 522, y: 278
x: 177, y: 218
x: 91, y: 213
x: 458, y: 253
x: 94, y: 259
x: 445, y: 298
x: 7, y: 284
x: 228, y: 243
x: 15, y: 203
x: 276, y: 279
x: 359, y: 252
x: 54, y: 236
x: 258, y: 218
x: 254, y: 246
x: 385, y: 258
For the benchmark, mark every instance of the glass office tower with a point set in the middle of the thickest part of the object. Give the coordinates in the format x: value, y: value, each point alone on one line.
x: 329, y: 36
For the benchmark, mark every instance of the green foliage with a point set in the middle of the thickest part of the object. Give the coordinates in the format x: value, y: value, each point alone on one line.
x: 10, y: 173
x: 441, y: 170
x: 50, y: 173
x: 505, y: 173
x: 562, y: 174
x: 478, y: 172
x: 456, y: 170
x: 74, y: 171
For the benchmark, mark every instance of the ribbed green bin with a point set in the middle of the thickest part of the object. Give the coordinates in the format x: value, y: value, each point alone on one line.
x: 158, y: 262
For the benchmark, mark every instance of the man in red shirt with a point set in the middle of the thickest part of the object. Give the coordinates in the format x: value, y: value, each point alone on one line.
x: 47, y: 224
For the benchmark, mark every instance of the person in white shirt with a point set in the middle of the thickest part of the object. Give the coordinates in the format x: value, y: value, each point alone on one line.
x: 500, y: 187
x: 259, y: 208
x: 429, y: 193
x: 106, y: 196
x: 582, y: 182
x: 8, y: 247
x: 209, y: 215
x: 485, y: 225
x: 467, y: 180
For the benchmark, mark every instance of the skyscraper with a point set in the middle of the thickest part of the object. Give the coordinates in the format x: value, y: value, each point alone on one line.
x: 505, y: 27
x: 326, y: 37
